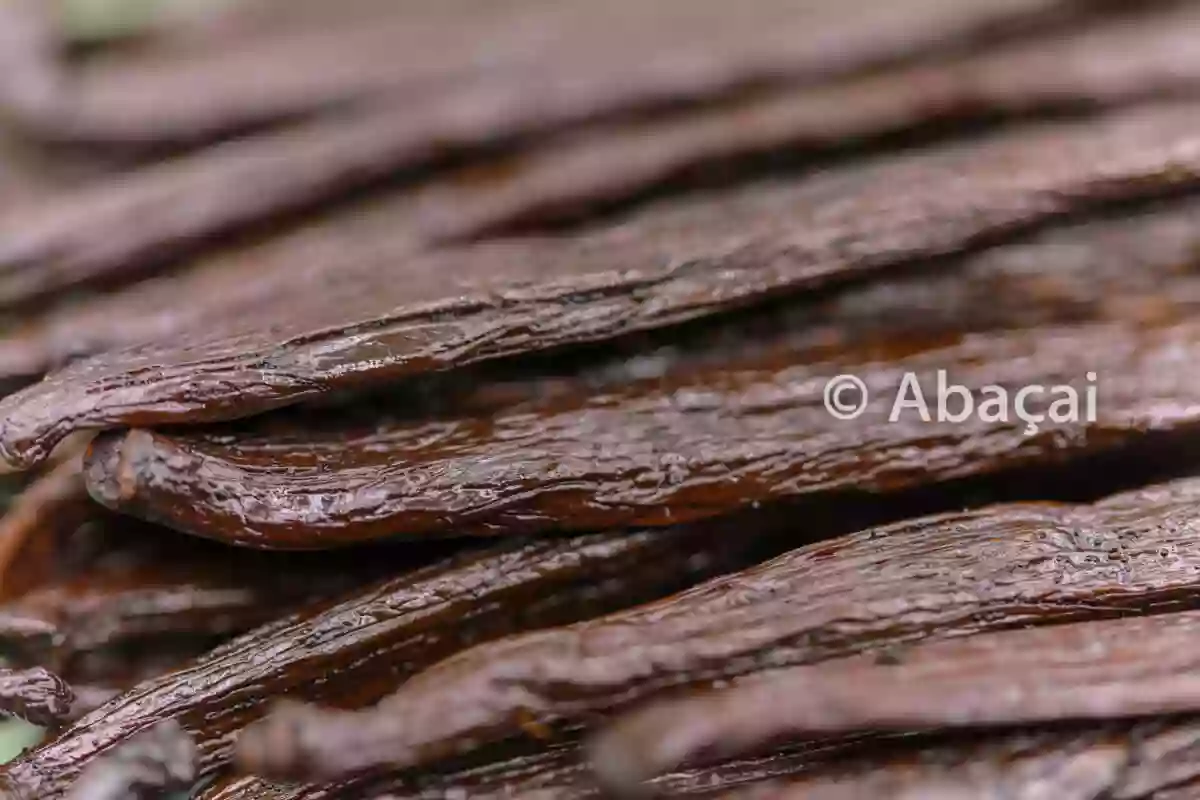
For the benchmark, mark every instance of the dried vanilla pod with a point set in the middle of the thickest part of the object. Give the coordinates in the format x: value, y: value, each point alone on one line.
x: 204, y: 594
x: 1097, y: 670
x: 117, y: 231
x: 353, y: 652
x: 1007, y: 566
x: 1138, y: 759
x: 36, y: 525
x: 228, y: 290
x: 459, y: 307
x: 659, y: 452
x: 673, y: 52
x: 35, y: 695
x: 158, y: 760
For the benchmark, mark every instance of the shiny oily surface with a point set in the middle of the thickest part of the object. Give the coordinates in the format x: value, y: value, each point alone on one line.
x: 34, y: 695
x: 355, y: 651
x: 586, y: 172
x: 37, y: 525
x: 121, y: 230
x: 1003, y: 567
x: 656, y: 453
x: 1140, y: 267
x: 1097, y: 670
x: 683, y: 262
x: 201, y: 592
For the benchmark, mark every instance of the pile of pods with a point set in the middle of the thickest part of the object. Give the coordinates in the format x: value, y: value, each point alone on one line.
x: 499, y: 399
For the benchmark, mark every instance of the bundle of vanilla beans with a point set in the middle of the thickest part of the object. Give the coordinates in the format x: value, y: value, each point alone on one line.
x: 431, y: 399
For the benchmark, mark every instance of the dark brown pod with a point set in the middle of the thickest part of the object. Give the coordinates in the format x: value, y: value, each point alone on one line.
x: 35, y: 695
x: 120, y: 230
x: 1140, y: 759
x: 600, y: 169
x: 1140, y: 268
x: 317, y: 61
x: 685, y: 262
x: 162, y: 759
x: 942, y: 576
x: 351, y: 653
x: 556, y: 770
x: 37, y: 525
x: 186, y: 592
x: 1098, y: 670
x: 703, y: 444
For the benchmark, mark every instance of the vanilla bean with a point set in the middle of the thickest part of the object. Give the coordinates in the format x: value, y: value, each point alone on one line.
x: 35, y: 695
x: 1005, y: 567
x: 1097, y: 670
x: 683, y: 263
x: 353, y: 652
x: 159, y: 760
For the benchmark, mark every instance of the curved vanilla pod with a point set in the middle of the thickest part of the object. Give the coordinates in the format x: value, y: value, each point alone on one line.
x: 1154, y: 757
x: 149, y: 603
x: 1139, y: 267
x: 674, y: 52
x: 585, y: 173
x: 684, y: 262
x: 35, y: 695
x: 35, y: 525
x: 123, y: 229
x: 1096, y: 670
x: 599, y: 170
x: 1003, y: 567
x: 662, y: 451
x: 161, y: 759
x: 110, y: 235
x: 353, y: 652
x: 553, y: 771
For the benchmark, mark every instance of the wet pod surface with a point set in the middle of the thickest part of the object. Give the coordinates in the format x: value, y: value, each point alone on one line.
x: 701, y: 445
x: 948, y: 575
x: 352, y: 652
x: 683, y: 263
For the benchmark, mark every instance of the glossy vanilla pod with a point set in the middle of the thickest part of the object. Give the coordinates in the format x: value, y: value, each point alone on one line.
x: 35, y: 527
x: 1145, y: 758
x: 159, y: 760
x: 35, y: 695
x: 1089, y: 671
x: 964, y: 573
x: 555, y: 770
x: 1140, y: 266
x: 353, y: 652
x: 683, y: 262
x: 120, y: 231
x: 476, y: 58
x: 663, y: 451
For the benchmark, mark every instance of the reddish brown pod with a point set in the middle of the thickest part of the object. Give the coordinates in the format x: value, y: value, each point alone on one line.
x: 682, y: 263
x: 663, y: 451
x: 352, y: 652
x: 944, y: 576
